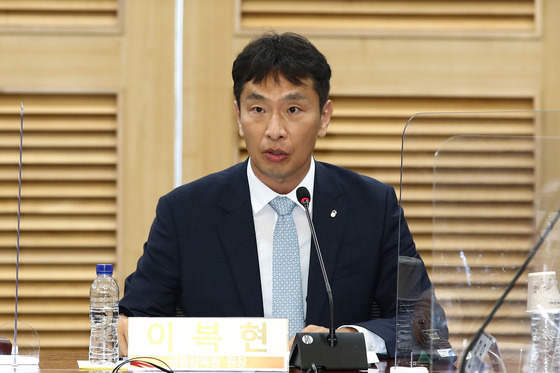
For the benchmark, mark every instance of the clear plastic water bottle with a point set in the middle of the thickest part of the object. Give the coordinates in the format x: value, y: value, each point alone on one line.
x: 545, y: 350
x: 104, y: 315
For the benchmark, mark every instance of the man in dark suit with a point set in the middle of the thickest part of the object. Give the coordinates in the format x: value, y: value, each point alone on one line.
x: 209, y: 248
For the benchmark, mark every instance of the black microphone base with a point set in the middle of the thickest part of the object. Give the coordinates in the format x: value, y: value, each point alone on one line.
x: 313, y: 348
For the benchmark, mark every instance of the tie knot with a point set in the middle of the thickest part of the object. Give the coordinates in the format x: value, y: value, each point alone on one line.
x: 282, y: 205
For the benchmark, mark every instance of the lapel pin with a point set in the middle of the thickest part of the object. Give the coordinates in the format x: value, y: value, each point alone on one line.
x: 333, y: 213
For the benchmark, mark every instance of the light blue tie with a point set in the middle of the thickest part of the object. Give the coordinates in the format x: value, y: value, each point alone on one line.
x: 287, y: 296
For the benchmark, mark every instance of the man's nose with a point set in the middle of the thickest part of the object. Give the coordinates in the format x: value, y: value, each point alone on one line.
x: 275, y: 128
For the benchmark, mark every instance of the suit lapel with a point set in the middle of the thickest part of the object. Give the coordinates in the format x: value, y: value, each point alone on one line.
x: 237, y: 233
x: 329, y: 216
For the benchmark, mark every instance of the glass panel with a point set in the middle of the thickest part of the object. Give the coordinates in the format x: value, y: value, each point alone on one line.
x: 479, y: 191
x: 23, y: 352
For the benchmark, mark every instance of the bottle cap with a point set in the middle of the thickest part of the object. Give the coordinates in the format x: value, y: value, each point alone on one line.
x: 104, y: 269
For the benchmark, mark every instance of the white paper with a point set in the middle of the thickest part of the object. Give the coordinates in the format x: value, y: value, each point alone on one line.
x: 409, y: 370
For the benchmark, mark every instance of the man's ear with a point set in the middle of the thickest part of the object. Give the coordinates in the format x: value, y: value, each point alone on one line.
x: 237, y: 111
x: 326, y: 115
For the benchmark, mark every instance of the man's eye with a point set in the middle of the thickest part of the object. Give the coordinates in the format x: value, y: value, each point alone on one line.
x: 257, y: 109
x: 293, y: 110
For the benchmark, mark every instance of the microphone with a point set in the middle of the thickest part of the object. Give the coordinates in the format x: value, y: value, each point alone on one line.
x: 346, y: 351
x: 304, y: 198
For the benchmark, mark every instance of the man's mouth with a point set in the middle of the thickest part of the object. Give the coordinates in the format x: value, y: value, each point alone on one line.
x: 275, y: 155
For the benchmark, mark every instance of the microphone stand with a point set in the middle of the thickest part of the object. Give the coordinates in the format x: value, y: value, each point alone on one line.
x: 508, y: 289
x: 326, y: 351
x: 332, y: 338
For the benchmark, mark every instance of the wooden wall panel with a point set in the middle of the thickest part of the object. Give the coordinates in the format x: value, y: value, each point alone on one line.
x: 209, y: 128
x: 466, y: 201
x: 480, y: 220
x: 365, y: 135
x: 390, y: 60
x: 148, y: 129
x: 68, y: 208
x: 61, y: 15
x: 391, y: 17
x: 99, y: 132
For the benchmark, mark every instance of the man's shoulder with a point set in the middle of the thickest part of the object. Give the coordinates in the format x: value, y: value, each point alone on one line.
x: 230, y: 180
x: 346, y: 177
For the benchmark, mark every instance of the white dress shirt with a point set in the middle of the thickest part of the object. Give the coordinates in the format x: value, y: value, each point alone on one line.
x: 265, y: 219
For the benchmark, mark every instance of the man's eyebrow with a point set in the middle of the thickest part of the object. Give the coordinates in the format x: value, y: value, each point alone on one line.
x: 255, y: 96
x: 289, y: 97
x: 294, y: 96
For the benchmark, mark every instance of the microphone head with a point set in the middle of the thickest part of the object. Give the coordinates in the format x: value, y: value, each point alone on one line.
x: 303, y: 196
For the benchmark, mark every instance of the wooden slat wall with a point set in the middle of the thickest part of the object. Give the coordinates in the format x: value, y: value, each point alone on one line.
x: 355, y: 29
x: 69, y: 15
x: 483, y: 200
x: 68, y: 208
x: 483, y: 214
x: 390, y: 16
x: 484, y: 211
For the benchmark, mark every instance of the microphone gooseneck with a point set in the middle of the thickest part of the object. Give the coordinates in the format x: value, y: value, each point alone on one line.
x: 326, y: 351
x: 304, y: 198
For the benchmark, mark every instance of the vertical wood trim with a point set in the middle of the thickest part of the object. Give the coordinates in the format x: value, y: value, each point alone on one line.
x: 148, y: 116
x: 209, y: 131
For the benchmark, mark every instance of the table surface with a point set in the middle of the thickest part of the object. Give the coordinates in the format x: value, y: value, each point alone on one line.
x: 51, y: 362
x: 61, y: 361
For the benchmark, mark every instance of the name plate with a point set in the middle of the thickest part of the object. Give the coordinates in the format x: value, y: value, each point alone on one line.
x: 187, y: 343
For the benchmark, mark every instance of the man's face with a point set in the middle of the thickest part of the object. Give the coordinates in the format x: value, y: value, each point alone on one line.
x: 281, y: 123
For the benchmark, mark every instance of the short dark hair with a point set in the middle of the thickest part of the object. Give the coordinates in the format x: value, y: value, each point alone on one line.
x: 286, y: 55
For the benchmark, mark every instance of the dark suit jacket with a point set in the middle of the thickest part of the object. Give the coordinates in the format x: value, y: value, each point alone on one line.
x: 201, y: 253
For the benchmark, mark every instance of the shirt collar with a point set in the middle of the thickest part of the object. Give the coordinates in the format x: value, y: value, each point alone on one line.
x: 261, y: 195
